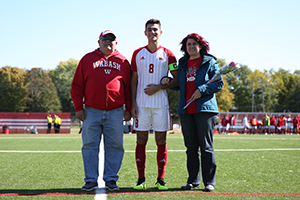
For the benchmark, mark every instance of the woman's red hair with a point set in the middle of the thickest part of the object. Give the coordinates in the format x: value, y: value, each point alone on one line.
x: 203, y: 43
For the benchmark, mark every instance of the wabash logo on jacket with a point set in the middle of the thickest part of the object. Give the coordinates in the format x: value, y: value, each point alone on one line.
x: 103, y: 82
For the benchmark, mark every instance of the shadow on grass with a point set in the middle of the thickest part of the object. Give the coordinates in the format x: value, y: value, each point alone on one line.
x: 78, y: 191
x: 45, y: 191
x: 152, y: 190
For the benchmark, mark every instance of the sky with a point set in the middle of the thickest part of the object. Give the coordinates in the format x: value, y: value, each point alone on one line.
x: 262, y: 34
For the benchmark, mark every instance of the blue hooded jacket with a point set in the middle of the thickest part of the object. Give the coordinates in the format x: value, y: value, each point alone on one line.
x: 208, y: 68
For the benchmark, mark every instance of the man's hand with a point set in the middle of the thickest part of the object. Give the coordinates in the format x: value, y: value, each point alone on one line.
x: 80, y: 115
x: 127, y: 116
x: 152, y: 89
x: 134, y: 110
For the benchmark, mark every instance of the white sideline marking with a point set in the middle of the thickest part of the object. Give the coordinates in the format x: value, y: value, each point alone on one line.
x: 100, y: 192
x: 133, y: 151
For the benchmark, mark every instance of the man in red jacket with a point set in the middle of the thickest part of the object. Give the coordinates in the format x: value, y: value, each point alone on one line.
x: 102, y: 80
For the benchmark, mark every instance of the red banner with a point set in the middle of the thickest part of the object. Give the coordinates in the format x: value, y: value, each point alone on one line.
x: 36, y: 123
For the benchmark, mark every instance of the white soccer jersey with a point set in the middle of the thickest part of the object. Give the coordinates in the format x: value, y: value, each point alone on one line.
x: 150, y: 68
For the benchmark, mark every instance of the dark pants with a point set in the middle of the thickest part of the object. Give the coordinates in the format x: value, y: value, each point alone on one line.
x: 49, y: 128
x: 198, y: 130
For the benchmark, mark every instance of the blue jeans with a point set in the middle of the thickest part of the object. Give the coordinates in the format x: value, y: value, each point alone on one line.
x: 108, y: 124
x: 198, y: 130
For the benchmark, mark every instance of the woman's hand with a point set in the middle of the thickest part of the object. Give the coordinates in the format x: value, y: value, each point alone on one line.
x: 196, y: 95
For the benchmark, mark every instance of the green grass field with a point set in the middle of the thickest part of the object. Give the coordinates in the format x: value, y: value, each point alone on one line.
x: 245, y: 164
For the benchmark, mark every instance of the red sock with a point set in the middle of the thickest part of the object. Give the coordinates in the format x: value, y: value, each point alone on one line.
x: 161, y: 158
x: 140, y: 159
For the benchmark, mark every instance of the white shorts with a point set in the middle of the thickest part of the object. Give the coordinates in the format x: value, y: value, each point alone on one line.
x: 158, y: 118
x: 246, y: 126
x: 227, y: 127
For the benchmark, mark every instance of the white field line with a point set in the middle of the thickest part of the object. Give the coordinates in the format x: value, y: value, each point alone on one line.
x: 132, y: 151
x: 100, y: 192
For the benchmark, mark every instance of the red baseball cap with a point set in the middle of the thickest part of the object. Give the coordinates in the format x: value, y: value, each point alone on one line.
x: 105, y: 32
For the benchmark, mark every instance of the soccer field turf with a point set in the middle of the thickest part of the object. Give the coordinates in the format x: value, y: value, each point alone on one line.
x: 248, y: 167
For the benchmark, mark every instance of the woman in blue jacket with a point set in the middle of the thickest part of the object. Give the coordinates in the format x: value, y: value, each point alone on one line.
x: 198, y: 119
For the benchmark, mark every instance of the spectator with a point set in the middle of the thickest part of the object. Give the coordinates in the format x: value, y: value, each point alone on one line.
x: 102, y: 79
x: 196, y: 68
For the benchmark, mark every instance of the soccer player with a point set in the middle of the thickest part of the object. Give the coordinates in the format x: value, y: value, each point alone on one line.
x: 266, y: 124
x: 245, y: 124
x: 253, y: 122
x: 295, y: 124
x: 272, y: 124
x: 150, y: 105
x: 225, y: 122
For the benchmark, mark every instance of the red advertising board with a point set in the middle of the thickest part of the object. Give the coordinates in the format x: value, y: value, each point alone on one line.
x: 15, y: 122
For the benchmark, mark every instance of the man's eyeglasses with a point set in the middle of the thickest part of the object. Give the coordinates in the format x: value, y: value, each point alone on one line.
x: 110, y: 38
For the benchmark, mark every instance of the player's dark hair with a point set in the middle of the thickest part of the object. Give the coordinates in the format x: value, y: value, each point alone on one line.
x: 203, y: 43
x: 152, y: 21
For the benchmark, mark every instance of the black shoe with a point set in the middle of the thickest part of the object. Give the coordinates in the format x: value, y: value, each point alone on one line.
x: 90, y: 186
x: 190, y: 186
x: 111, y: 185
x: 209, y: 188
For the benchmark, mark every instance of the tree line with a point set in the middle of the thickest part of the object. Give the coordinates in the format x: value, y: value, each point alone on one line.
x: 38, y: 90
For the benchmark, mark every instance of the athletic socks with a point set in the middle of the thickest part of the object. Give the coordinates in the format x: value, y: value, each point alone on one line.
x: 161, y: 158
x: 140, y: 158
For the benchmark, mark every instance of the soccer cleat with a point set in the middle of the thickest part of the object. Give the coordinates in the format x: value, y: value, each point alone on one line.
x: 209, y: 188
x: 190, y: 186
x: 90, y: 186
x: 161, y: 184
x: 141, y: 186
x: 111, y: 185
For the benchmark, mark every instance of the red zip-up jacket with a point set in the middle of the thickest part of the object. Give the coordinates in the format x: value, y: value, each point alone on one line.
x: 102, y: 82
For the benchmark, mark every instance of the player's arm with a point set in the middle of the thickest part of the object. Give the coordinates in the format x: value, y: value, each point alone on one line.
x: 169, y: 82
x: 133, y: 87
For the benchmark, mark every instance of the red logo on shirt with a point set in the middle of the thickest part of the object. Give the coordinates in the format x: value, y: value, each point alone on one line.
x: 142, y: 58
